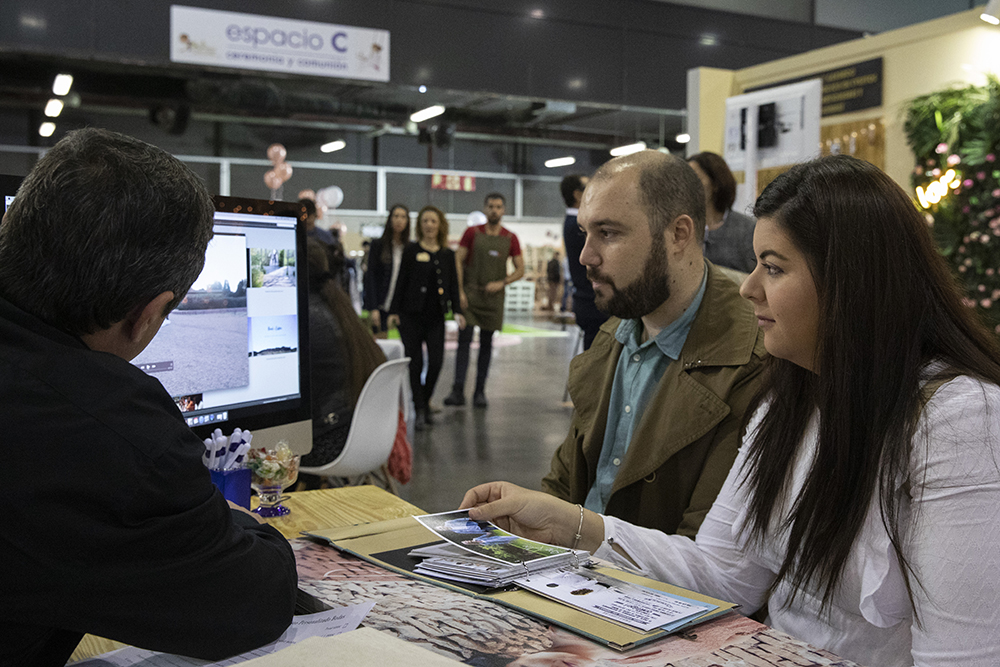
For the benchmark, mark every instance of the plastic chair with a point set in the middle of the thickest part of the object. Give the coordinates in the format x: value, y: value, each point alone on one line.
x: 373, y: 428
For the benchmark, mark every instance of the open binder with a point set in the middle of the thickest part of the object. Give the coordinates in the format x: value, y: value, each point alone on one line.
x: 388, y: 543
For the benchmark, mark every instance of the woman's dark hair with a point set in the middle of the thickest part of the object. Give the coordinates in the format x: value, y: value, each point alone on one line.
x: 364, y: 353
x: 387, y: 233
x: 442, y: 228
x: 723, y: 181
x: 887, y: 306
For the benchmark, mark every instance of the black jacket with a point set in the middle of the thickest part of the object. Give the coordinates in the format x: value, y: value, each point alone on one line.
x: 424, y: 275
x: 377, y: 278
x: 116, y: 529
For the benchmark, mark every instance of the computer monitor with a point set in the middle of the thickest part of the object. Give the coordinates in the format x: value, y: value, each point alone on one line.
x: 8, y: 188
x: 235, y: 352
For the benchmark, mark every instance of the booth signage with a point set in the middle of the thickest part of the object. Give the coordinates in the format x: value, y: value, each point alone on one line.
x: 250, y: 41
x: 453, y: 182
x: 845, y: 89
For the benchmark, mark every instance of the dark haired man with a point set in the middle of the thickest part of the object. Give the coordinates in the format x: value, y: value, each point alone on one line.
x: 117, y: 529
x: 659, y: 397
x: 588, y: 318
x: 482, y: 276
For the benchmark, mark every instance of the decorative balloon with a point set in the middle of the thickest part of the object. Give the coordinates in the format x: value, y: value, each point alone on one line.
x: 330, y: 197
x: 281, y: 172
x: 276, y: 153
x: 476, y: 218
x: 307, y: 194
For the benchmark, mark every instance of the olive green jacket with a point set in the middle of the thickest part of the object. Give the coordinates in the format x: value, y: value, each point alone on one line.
x: 687, y: 439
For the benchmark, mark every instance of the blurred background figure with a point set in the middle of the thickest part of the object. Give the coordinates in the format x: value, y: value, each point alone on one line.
x: 384, y: 257
x: 553, y: 277
x: 426, y: 289
x: 588, y: 317
x: 728, y: 234
x: 342, y: 356
x: 312, y: 230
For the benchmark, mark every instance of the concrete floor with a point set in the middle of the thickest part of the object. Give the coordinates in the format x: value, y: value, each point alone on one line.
x: 514, y: 438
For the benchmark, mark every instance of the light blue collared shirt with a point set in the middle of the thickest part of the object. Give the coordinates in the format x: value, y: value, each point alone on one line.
x: 639, y: 370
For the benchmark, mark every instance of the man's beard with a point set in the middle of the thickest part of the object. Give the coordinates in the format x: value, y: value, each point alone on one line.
x: 642, y: 296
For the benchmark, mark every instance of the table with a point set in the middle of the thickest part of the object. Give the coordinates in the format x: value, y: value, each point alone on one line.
x: 311, y: 510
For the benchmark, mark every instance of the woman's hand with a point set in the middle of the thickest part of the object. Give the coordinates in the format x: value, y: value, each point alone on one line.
x: 462, y: 299
x: 375, y: 318
x: 533, y: 514
x: 392, y: 322
x: 460, y: 319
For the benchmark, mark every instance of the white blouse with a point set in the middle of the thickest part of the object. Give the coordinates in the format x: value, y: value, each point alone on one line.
x: 950, y: 533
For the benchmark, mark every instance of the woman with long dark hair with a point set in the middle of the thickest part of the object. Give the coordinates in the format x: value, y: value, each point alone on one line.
x: 426, y: 290
x: 384, y: 257
x: 863, y: 506
x: 342, y: 354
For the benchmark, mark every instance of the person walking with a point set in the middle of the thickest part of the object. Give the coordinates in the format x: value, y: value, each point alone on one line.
x: 384, y: 257
x: 427, y: 288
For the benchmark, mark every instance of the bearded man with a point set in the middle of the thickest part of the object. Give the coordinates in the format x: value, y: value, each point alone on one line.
x: 659, y: 398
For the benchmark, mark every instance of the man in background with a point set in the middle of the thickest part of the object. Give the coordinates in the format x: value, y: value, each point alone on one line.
x: 659, y: 398
x: 482, y: 276
x: 588, y: 317
x: 117, y: 529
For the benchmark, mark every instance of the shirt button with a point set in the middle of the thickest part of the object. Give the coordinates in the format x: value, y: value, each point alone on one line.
x: 617, y: 461
x: 628, y: 408
x: 635, y: 357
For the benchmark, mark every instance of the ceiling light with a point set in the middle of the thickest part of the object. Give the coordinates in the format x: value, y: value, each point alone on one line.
x: 426, y: 114
x: 991, y: 13
x: 422, y: 89
x: 682, y: 138
x: 560, y: 162
x: 62, y: 84
x: 537, y: 14
x: 53, y: 108
x: 333, y: 146
x: 46, y: 129
x: 629, y: 149
x: 708, y: 39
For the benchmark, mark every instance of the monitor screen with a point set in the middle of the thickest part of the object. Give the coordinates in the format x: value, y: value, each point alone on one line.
x: 235, y: 352
x: 8, y: 188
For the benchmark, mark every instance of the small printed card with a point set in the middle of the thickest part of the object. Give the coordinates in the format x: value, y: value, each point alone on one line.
x: 486, y: 539
x: 629, y: 604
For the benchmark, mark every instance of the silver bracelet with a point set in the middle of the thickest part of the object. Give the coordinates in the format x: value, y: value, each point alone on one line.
x: 579, y: 529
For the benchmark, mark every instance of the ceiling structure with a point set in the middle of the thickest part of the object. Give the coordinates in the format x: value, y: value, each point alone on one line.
x: 171, y: 96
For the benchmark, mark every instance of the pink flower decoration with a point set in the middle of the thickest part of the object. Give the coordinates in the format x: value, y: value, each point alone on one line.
x: 981, y: 175
x: 918, y: 170
x: 982, y: 288
x: 967, y: 183
x: 930, y: 163
x: 996, y: 193
x: 961, y: 268
x: 990, y: 272
x: 961, y: 249
x: 965, y: 209
x: 935, y: 172
x: 953, y: 160
x: 990, y: 157
x: 995, y: 294
x: 941, y: 148
x: 985, y: 303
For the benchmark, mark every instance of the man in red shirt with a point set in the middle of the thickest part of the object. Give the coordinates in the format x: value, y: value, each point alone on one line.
x: 482, y: 276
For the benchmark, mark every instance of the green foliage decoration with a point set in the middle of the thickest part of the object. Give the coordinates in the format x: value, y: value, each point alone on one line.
x: 959, y: 129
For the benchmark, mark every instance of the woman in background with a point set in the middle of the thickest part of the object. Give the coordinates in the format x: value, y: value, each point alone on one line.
x: 342, y: 356
x: 426, y: 290
x: 862, y: 507
x: 384, y: 257
x: 728, y: 234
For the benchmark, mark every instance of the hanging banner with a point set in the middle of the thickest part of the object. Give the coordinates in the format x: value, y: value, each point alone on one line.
x: 249, y: 41
x: 453, y: 182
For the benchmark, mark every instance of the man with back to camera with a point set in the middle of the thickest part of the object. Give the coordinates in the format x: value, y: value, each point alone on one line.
x: 481, y: 259
x: 117, y: 530
x: 660, y: 396
x: 588, y: 317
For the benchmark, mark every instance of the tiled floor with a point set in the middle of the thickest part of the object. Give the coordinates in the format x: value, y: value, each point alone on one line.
x: 514, y: 438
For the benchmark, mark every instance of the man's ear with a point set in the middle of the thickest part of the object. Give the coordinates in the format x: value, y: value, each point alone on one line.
x: 150, y: 315
x: 680, y: 233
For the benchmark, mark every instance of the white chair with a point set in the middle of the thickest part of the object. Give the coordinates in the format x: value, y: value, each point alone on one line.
x: 373, y: 429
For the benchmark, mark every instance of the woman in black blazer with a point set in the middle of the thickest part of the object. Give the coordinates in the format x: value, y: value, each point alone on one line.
x: 383, y: 266
x: 427, y: 288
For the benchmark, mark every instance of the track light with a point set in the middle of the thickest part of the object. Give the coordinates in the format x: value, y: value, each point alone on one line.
x: 53, y: 108
x: 427, y: 114
x: 62, y: 84
x: 629, y: 149
x: 991, y: 13
x: 682, y: 138
x: 46, y: 129
x: 333, y: 146
x: 560, y: 162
